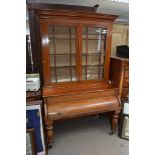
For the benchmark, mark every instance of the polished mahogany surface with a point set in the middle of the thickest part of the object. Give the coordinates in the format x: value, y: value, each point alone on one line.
x: 119, y: 75
x: 73, y: 48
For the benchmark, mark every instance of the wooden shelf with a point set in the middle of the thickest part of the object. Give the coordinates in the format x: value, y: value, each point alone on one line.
x: 64, y: 79
x: 61, y: 67
x: 75, y: 33
x: 92, y: 65
x: 63, y: 54
x: 89, y: 54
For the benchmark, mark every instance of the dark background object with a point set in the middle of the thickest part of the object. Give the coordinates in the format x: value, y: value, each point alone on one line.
x: 122, y: 51
x: 33, y: 121
x: 28, y: 56
x: 33, y: 95
x: 33, y: 142
x: 122, y: 125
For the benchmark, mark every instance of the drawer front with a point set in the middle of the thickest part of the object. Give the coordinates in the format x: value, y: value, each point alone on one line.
x: 126, y: 78
x: 126, y: 73
x: 126, y: 65
x: 126, y: 83
x: 125, y: 93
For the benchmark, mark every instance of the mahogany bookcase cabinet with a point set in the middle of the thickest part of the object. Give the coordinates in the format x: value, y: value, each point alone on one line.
x: 75, y: 46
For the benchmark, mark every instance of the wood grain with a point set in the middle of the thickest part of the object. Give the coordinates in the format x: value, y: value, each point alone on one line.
x: 119, y: 75
x: 82, y: 97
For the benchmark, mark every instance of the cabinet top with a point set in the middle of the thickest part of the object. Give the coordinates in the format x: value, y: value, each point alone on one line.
x: 45, y: 10
x: 119, y: 58
x: 62, y: 7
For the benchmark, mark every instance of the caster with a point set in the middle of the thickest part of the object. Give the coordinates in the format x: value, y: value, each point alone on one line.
x: 50, y: 146
x: 111, y: 133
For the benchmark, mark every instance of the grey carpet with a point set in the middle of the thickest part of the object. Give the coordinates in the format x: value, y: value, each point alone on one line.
x: 87, y: 136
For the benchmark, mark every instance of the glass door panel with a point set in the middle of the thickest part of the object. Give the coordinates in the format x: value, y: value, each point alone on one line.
x: 62, y: 53
x: 93, y: 52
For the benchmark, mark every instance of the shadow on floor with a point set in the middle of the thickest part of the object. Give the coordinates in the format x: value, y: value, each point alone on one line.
x: 87, y: 136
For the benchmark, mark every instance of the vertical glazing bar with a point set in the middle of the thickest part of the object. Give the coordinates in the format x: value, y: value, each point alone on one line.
x: 70, y: 41
x: 100, y: 51
x: 104, y: 52
x: 104, y: 43
x: 78, y: 52
x: 55, y: 69
x: 108, y: 52
x: 86, y: 53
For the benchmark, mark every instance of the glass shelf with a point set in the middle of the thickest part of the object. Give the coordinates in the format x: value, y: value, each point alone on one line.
x: 94, y: 53
x: 74, y: 66
x: 63, y: 74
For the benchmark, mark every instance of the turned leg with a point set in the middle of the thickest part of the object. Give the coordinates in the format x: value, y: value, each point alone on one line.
x: 49, y: 131
x: 114, y: 121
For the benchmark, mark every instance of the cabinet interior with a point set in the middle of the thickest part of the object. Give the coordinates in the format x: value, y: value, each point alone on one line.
x: 63, y: 53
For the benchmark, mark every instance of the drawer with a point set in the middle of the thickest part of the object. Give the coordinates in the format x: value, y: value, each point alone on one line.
x: 126, y: 73
x: 125, y: 92
x: 126, y: 65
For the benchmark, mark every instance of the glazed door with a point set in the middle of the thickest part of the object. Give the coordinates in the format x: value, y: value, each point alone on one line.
x: 93, y: 52
x: 73, y: 53
x: 59, y: 52
x: 62, y: 53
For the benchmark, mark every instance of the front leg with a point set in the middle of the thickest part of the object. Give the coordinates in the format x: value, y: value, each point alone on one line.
x: 114, y: 121
x: 49, y: 133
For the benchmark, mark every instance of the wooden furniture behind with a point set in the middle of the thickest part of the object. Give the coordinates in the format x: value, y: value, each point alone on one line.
x: 33, y: 95
x: 123, y: 129
x: 75, y: 48
x: 119, y: 75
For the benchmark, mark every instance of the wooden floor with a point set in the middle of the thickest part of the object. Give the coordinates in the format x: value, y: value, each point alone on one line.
x: 87, y: 136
